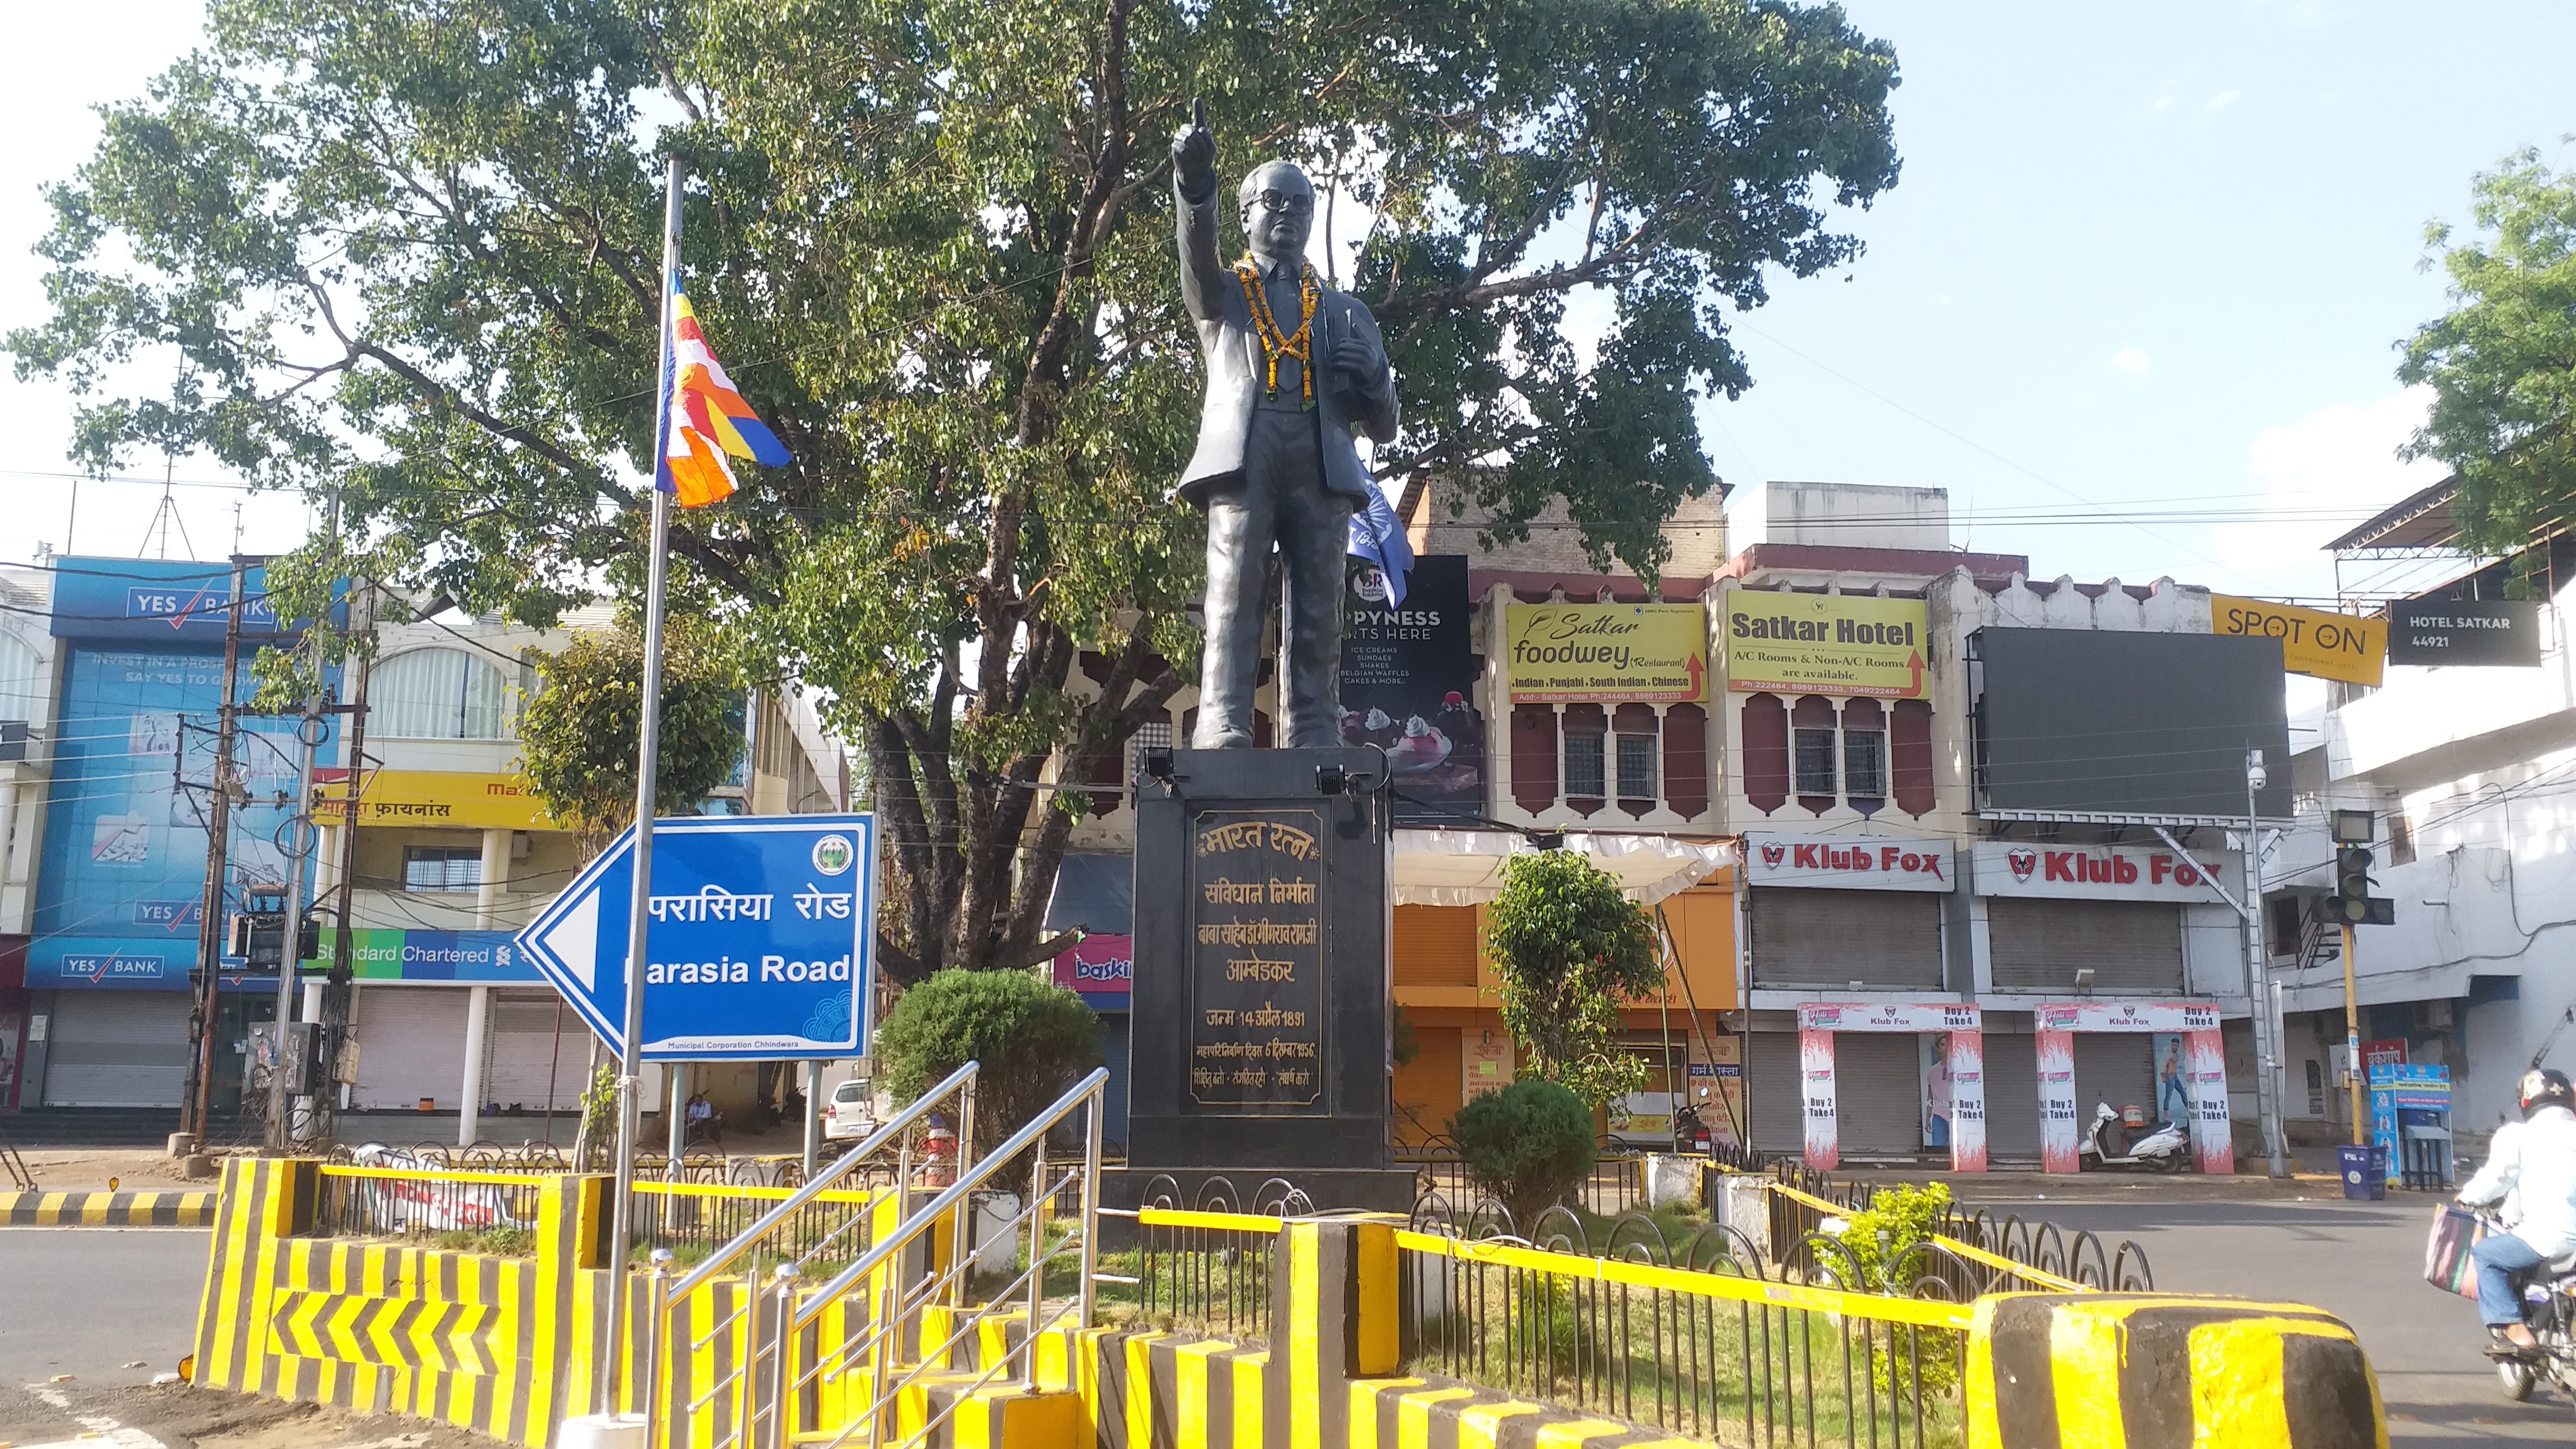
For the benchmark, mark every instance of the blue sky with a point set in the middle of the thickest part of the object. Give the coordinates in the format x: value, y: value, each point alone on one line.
x: 2145, y: 258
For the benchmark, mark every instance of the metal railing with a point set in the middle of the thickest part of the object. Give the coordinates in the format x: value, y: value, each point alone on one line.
x: 776, y: 1243
x: 1701, y: 1346
x: 1205, y: 1271
x: 871, y: 1354
x: 1614, y: 1186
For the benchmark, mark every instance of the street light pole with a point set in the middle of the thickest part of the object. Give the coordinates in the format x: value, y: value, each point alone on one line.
x: 2258, y: 981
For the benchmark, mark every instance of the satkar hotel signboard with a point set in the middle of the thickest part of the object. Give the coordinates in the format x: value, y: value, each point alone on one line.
x: 1607, y: 653
x: 1853, y: 644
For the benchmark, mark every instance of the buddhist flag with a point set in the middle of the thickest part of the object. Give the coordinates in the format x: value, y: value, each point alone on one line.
x: 708, y: 419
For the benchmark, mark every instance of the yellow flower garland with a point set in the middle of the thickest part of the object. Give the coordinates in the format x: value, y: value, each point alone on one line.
x: 1301, y: 346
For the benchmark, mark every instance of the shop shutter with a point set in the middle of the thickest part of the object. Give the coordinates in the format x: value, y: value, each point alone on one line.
x: 2012, y: 1100
x: 523, y: 1048
x: 411, y: 1044
x: 1771, y: 1076
x: 1429, y: 1089
x: 1886, y: 940
x: 1435, y: 945
x: 117, y: 1049
x: 2114, y: 1067
x: 1878, y: 1094
x: 2038, y: 946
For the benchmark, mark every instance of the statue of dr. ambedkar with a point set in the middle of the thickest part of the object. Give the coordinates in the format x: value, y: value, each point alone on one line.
x: 1292, y: 368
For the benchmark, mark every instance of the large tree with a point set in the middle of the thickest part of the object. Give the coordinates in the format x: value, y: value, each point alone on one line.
x: 2502, y: 362
x: 409, y: 249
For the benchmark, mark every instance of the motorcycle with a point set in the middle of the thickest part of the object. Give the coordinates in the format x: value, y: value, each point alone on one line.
x: 2549, y: 1310
x: 1690, y: 1134
x: 2166, y: 1149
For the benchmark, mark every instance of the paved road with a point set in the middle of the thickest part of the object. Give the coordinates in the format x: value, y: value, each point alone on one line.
x: 2360, y: 1261
x: 88, y: 1301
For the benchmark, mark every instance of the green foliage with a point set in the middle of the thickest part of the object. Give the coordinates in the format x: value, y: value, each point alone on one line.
x: 1402, y: 1044
x: 1879, y: 1237
x: 1527, y: 1144
x: 408, y: 250
x: 1032, y: 1040
x: 1568, y: 949
x: 2502, y: 361
x: 577, y: 737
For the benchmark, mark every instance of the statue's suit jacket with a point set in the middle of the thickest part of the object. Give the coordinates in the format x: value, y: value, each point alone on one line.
x: 1237, y: 370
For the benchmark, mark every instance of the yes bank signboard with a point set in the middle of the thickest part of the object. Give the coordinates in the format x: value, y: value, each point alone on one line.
x: 2100, y: 873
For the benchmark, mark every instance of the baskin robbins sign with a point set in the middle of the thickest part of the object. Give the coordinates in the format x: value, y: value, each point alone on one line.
x: 1849, y: 862
x: 2099, y: 873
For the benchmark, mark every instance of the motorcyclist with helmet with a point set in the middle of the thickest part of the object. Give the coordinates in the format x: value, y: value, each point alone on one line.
x: 2534, y: 1159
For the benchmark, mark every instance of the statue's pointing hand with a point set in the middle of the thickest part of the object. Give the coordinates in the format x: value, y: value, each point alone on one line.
x: 1194, y: 155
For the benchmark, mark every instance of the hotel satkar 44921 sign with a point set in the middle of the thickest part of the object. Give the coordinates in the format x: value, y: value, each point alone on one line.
x: 1824, y: 644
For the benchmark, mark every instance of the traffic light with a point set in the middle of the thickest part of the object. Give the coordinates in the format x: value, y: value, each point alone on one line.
x: 2351, y: 902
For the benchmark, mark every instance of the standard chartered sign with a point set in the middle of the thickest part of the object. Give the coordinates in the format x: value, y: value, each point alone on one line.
x: 757, y: 937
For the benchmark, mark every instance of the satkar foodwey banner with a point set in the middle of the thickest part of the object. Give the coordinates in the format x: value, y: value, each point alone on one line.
x: 1607, y: 653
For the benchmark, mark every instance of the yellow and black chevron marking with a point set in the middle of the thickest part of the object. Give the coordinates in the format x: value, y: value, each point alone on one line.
x: 107, y: 1209
x: 2147, y: 1371
x: 1414, y: 1414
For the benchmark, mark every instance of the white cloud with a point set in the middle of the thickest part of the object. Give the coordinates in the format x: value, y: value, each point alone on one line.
x: 2131, y: 362
x: 2223, y: 100
x: 2321, y: 475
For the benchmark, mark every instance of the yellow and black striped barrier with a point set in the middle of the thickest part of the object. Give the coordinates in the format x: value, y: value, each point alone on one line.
x: 2108, y: 1370
x: 179, y: 1209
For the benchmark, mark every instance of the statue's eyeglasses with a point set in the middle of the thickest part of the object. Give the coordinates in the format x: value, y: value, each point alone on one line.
x: 1297, y: 202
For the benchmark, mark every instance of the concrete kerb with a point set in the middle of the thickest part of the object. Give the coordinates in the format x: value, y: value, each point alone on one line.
x: 180, y: 1209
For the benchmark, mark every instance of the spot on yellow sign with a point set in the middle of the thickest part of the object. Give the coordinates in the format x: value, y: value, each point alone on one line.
x: 1825, y: 644
x: 2348, y: 647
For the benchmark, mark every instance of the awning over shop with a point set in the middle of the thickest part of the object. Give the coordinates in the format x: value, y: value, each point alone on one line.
x: 1465, y: 867
x: 1094, y: 892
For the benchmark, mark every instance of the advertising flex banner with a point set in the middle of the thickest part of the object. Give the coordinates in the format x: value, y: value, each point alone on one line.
x: 2059, y: 1135
x: 2204, y: 1060
x: 2101, y: 873
x: 1408, y: 687
x: 2313, y: 641
x: 1816, y: 1088
x: 1606, y: 653
x: 1849, y: 862
x: 1851, y: 644
x: 1954, y: 1079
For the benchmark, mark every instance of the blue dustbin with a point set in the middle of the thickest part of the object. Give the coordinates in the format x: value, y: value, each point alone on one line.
x: 2365, y: 1171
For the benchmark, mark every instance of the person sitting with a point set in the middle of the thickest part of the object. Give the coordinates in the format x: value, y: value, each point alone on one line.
x: 2534, y: 1160
x: 706, y: 1124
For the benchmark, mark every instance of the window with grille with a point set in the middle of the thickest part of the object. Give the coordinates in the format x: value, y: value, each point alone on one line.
x: 1586, y: 777
x: 442, y: 868
x: 1636, y: 767
x: 1865, y: 762
x: 1813, y: 762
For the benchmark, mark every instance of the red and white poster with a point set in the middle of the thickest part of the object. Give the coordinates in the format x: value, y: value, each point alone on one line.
x: 1816, y: 1081
x: 1966, y: 1062
x: 2212, y: 1137
x: 1954, y: 1077
x: 2057, y: 1128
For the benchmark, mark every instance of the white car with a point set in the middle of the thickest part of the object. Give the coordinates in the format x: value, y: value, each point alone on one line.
x: 850, y: 1113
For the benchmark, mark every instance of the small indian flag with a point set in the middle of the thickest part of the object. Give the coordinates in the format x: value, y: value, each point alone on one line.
x: 708, y: 419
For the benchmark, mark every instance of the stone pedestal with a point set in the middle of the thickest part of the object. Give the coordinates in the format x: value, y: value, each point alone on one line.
x: 1258, y: 1023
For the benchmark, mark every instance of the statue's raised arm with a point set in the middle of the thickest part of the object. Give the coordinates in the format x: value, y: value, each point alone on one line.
x: 1203, y: 276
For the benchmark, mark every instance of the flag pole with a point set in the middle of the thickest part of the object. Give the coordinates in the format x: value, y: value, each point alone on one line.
x: 648, y: 758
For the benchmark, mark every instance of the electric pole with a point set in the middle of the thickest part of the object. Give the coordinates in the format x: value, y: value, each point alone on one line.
x: 210, y: 913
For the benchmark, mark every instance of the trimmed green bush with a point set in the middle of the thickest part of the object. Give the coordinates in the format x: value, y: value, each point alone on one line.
x: 1528, y: 1144
x: 1032, y: 1038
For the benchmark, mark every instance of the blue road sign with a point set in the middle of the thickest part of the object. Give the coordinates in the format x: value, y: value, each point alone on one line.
x: 759, y: 946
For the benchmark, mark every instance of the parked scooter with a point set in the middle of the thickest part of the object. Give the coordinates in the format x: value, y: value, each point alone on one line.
x: 2549, y: 1309
x: 1690, y: 1134
x: 2166, y: 1149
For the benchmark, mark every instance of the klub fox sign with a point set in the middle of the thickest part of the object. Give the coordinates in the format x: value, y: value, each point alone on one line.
x: 1849, y: 862
x: 2100, y: 872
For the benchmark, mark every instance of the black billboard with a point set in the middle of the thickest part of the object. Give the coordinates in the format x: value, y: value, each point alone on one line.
x: 2084, y: 721
x: 1408, y: 686
x: 2464, y: 631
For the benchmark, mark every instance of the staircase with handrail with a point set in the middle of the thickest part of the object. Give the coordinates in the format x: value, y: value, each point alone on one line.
x: 870, y: 1355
